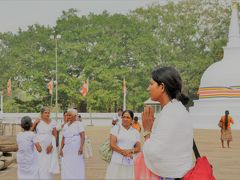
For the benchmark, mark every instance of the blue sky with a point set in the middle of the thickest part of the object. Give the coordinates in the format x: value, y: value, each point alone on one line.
x: 22, y: 13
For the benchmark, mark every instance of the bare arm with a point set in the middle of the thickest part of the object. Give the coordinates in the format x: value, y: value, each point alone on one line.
x: 54, y: 132
x: 114, y: 146
x: 35, y: 124
x: 82, y: 138
x: 62, y: 145
x: 136, y: 148
x: 50, y: 147
x: 38, y: 147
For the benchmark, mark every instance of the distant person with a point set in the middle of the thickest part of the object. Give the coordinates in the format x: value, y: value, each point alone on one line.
x: 64, y: 119
x: 125, y: 142
x: 117, y: 119
x: 46, y: 134
x: 225, y: 125
x: 79, y: 117
x: 72, y: 148
x: 136, y: 125
x: 1, y: 113
x: 26, y: 157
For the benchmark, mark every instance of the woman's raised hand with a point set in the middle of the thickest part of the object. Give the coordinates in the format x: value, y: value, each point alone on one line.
x: 147, y: 118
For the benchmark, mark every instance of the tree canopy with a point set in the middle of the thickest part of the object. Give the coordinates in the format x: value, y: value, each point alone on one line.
x: 105, y: 48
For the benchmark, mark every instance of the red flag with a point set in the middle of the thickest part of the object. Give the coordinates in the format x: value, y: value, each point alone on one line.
x: 50, y: 86
x: 9, y: 87
x: 84, y: 88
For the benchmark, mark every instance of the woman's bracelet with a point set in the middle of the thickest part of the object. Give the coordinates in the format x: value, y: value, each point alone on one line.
x: 146, y: 133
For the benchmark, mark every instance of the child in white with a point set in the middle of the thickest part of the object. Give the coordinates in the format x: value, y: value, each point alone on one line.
x: 26, y: 157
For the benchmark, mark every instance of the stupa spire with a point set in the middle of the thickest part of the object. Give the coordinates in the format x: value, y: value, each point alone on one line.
x: 234, y: 35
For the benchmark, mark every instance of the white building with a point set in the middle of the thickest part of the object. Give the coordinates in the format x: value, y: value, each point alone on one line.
x: 220, y: 84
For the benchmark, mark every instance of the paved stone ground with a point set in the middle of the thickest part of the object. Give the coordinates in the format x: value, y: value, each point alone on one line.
x: 226, y: 162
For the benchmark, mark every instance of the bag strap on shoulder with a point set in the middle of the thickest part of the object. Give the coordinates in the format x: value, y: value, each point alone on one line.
x: 195, y: 149
x: 119, y: 128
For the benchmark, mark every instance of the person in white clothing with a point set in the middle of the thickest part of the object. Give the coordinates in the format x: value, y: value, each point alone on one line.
x: 117, y: 119
x: 26, y: 157
x: 125, y: 142
x: 72, y: 148
x: 46, y: 134
x: 169, y: 138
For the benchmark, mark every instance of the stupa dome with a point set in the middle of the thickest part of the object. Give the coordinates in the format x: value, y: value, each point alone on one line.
x: 222, y: 74
x: 222, y: 79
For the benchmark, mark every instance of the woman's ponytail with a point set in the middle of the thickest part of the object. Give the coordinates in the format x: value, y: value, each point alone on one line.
x: 182, y: 97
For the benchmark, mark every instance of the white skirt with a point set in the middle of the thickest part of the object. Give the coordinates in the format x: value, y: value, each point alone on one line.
x: 119, y: 171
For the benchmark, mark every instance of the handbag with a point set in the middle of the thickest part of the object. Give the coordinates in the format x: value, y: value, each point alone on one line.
x: 202, y: 169
x: 105, y: 149
x: 141, y: 172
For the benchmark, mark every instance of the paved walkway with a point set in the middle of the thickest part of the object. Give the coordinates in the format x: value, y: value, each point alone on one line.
x: 226, y: 162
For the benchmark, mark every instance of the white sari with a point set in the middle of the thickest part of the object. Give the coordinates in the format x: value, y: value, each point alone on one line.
x: 26, y: 157
x: 72, y: 163
x: 48, y: 163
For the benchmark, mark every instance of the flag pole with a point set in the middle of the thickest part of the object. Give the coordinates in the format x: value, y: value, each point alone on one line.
x: 90, y: 110
x: 124, y: 94
x: 51, y: 100
x: 1, y: 94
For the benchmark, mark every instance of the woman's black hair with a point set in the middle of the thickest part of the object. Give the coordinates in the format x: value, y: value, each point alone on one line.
x: 130, y: 113
x: 172, y: 82
x: 135, y: 118
x: 226, y: 119
x: 26, y: 123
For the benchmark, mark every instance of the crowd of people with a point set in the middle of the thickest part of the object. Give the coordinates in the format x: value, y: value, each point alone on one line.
x: 37, y: 155
x: 168, y: 138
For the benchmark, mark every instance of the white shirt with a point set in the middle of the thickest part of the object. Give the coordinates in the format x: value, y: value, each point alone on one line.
x: 118, y: 119
x: 168, y: 151
x: 73, y: 129
x: 126, y: 139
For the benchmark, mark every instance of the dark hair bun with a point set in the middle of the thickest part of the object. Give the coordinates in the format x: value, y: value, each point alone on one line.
x: 26, y: 123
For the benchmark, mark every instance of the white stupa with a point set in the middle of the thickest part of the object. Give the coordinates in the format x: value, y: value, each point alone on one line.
x: 220, y: 84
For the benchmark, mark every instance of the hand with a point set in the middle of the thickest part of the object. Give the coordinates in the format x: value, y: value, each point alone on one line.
x: 49, y: 149
x: 147, y: 118
x: 39, y: 149
x: 114, y: 122
x: 80, y: 151
x: 33, y: 128
x: 61, y: 153
x: 129, y: 153
x: 37, y: 121
x: 125, y: 152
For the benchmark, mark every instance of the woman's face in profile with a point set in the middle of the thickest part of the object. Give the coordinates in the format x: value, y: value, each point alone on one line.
x: 154, y: 90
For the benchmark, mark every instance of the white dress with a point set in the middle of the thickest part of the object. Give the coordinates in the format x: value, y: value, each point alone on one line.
x: 26, y: 157
x: 48, y: 163
x: 72, y: 163
x: 122, y: 167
